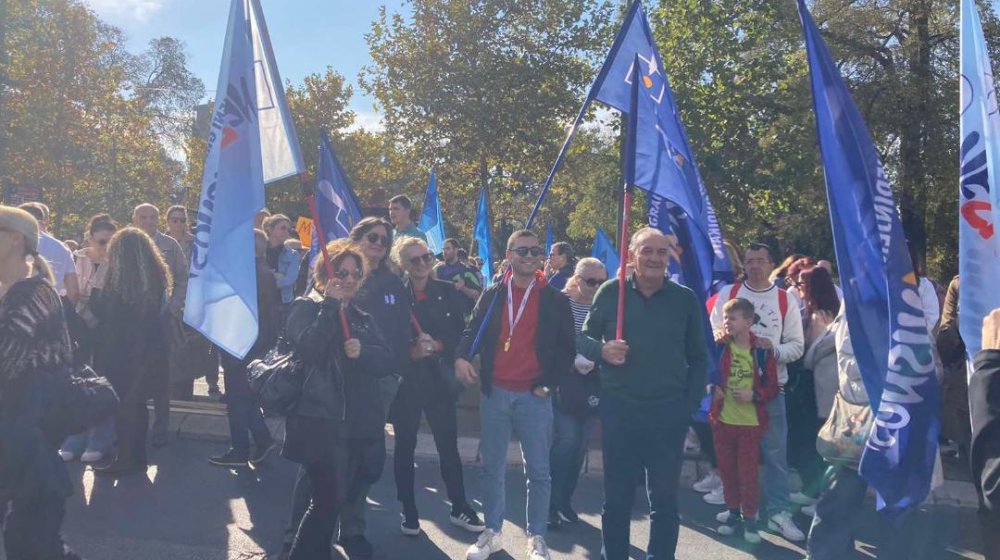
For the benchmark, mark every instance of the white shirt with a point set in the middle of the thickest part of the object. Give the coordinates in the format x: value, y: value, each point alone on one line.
x: 929, y: 302
x: 785, y: 333
x: 59, y: 257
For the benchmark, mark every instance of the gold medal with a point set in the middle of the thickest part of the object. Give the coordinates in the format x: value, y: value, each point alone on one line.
x: 506, y: 346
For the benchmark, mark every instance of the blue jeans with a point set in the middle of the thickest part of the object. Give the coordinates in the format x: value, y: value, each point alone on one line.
x: 100, y: 438
x: 245, y: 417
x: 642, y: 439
x: 569, y: 446
x: 530, y: 417
x: 774, y: 451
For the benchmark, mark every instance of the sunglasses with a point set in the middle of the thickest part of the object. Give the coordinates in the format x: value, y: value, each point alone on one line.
x: 426, y: 258
x: 342, y: 274
x: 103, y: 242
x: 525, y: 251
x: 593, y: 282
x: 377, y: 239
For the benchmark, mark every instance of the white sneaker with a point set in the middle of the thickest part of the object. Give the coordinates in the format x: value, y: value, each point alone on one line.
x: 710, y: 482
x: 537, y: 549
x: 809, y: 510
x: 489, y: 543
x: 91, y: 456
x: 781, y: 522
x: 722, y: 516
x: 801, y: 499
x: 66, y: 456
x: 716, y: 497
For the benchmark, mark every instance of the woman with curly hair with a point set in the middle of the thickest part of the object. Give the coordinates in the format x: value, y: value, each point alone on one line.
x: 132, y: 341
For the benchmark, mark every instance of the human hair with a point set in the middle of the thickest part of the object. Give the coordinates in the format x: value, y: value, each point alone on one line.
x: 402, y: 200
x: 144, y: 206
x: 21, y: 221
x: 403, y: 244
x: 819, y: 292
x: 641, y: 234
x: 797, y: 268
x: 762, y: 247
x: 37, y: 210
x: 518, y: 235
x: 176, y: 208
x: 101, y: 222
x: 566, y: 250
x: 339, y: 250
x: 361, y: 229
x: 582, y: 266
x: 461, y: 254
x: 259, y: 243
x: 452, y: 241
x: 137, y: 273
x: 273, y: 220
x: 740, y: 305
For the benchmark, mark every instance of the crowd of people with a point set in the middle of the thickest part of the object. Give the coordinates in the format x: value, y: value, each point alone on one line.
x: 390, y: 332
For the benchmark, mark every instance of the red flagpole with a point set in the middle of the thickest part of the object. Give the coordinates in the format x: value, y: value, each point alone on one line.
x: 623, y: 262
x: 321, y: 239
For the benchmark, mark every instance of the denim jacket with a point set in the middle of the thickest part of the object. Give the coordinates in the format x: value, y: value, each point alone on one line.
x: 288, y: 270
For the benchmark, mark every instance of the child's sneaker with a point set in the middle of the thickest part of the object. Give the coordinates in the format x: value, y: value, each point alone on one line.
x: 750, y: 532
x: 734, y: 520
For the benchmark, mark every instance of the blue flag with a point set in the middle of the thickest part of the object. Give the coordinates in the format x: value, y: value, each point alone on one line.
x: 549, y: 238
x: 605, y: 252
x: 222, y: 287
x: 669, y: 169
x: 978, y: 241
x: 336, y: 203
x: 484, y: 239
x: 431, y: 222
x: 884, y: 315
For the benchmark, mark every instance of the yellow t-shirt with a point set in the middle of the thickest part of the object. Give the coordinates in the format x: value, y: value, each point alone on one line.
x: 735, y: 413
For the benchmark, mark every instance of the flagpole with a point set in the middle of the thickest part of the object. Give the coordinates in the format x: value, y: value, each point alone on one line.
x: 623, y: 261
x: 310, y: 195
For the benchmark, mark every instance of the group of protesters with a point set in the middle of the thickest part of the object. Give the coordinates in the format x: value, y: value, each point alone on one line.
x: 391, y: 332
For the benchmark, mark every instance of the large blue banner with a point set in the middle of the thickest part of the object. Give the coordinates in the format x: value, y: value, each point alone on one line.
x: 884, y: 314
x: 336, y: 203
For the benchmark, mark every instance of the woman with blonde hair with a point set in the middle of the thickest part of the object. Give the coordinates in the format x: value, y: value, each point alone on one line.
x: 133, y: 338
x: 34, y: 342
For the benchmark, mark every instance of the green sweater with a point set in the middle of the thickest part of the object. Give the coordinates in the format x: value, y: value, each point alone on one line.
x: 667, y: 358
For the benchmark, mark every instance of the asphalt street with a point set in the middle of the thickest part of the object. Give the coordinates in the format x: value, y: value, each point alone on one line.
x: 186, y: 509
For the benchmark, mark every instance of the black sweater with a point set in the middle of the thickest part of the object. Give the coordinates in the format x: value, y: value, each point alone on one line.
x: 984, y: 404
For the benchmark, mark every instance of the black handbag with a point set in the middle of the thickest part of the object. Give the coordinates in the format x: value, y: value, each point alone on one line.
x: 277, y: 379
x: 80, y: 400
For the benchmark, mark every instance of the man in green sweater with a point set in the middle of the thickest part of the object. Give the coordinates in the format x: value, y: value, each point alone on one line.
x: 651, y: 384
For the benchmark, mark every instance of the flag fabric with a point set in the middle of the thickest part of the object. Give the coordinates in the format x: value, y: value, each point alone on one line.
x: 280, y: 152
x: 670, y: 169
x: 222, y: 288
x: 978, y: 241
x: 431, y: 222
x: 549, y: 238
x: 484, y: 239
x: 336, y: 204
x: 884, y: 314
x: 605, y: 252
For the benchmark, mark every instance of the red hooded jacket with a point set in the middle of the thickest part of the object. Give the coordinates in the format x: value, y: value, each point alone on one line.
x: 765, y: 382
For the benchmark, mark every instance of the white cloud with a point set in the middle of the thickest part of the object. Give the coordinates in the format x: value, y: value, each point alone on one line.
x: 367, y: 120
x: 130, y: 10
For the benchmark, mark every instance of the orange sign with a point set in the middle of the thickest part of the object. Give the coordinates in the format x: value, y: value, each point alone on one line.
x: 304, y: 227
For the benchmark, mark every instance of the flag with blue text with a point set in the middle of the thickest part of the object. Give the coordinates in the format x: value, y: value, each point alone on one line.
x: 336, y: 203
x: 885, y: 318
x: 431, y: 222
x: 484, y: 239
x: 605, y: 252
x: 978, y: 239
x: 222, y: 288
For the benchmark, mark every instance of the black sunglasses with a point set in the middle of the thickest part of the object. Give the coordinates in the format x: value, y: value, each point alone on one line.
x: 524, y: 251
x: 426, y: 258
x: 103, y: 241
x: 593, y: 282
x: 379, y: 239
x: 342, y: 274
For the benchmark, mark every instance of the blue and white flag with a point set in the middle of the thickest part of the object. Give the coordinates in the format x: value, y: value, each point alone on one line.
x: 978, y: 239
x: 674, y: 174
x: 884, y: 314
x: 484, y: 239
x: 336, y: 203
x: 280, y: 154
x: 605, y: 252
x: 431, y: 222
x: 222, y: 287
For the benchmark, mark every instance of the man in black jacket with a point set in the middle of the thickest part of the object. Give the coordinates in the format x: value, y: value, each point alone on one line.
x: 528, y: 342
x: 984, y: 403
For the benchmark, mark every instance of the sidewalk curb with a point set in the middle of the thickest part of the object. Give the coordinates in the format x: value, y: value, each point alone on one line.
x: 207, y: 422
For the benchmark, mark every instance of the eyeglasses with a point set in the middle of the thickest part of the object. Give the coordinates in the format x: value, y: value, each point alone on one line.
x: 178, y: 220
x: 525, y: 251
x: 593, y: 282
x: 342, y: 274
x: 426, y: 258
x: 375, y: 238
x: 103, y: 242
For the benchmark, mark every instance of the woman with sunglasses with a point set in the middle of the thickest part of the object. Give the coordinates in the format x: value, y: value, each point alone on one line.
x: 576, y: 401
x: 340, y: 347
x: 428, y: 389
x: 91, y: 270
x: 33, y: 340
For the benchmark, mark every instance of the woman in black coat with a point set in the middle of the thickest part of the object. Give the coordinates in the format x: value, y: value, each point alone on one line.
x: 428, y: 389
x: 335, y: 360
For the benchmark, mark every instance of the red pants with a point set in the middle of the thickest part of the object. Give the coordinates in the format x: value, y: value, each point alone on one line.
x: 737, y: 450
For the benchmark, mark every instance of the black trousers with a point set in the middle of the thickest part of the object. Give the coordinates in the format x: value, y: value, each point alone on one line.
x: 422, y: 397
x: 327, y: 495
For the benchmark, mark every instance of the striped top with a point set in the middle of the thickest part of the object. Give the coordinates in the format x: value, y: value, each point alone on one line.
x: 580, y: 311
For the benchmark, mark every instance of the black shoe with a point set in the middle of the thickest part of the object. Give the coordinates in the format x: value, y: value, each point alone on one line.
x: 262, y: 452
x: 356, y: 547
x: 732, y: 523
x: 467, y: 519
x: 411, y: 523
x: 554, y: 520
x: 120, y: 467
x: 567, y: 515
x: 231, y: 458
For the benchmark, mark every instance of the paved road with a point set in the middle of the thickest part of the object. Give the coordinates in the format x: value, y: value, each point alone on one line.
x: 186, y: 509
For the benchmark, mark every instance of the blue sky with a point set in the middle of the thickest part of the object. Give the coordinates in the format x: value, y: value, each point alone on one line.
x: 307, y: 35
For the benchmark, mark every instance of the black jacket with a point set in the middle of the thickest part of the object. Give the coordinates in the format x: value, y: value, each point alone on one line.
x: 441, y: 315
x: 387, y: 300
x: 555, y: 344
x: 984, y: 404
